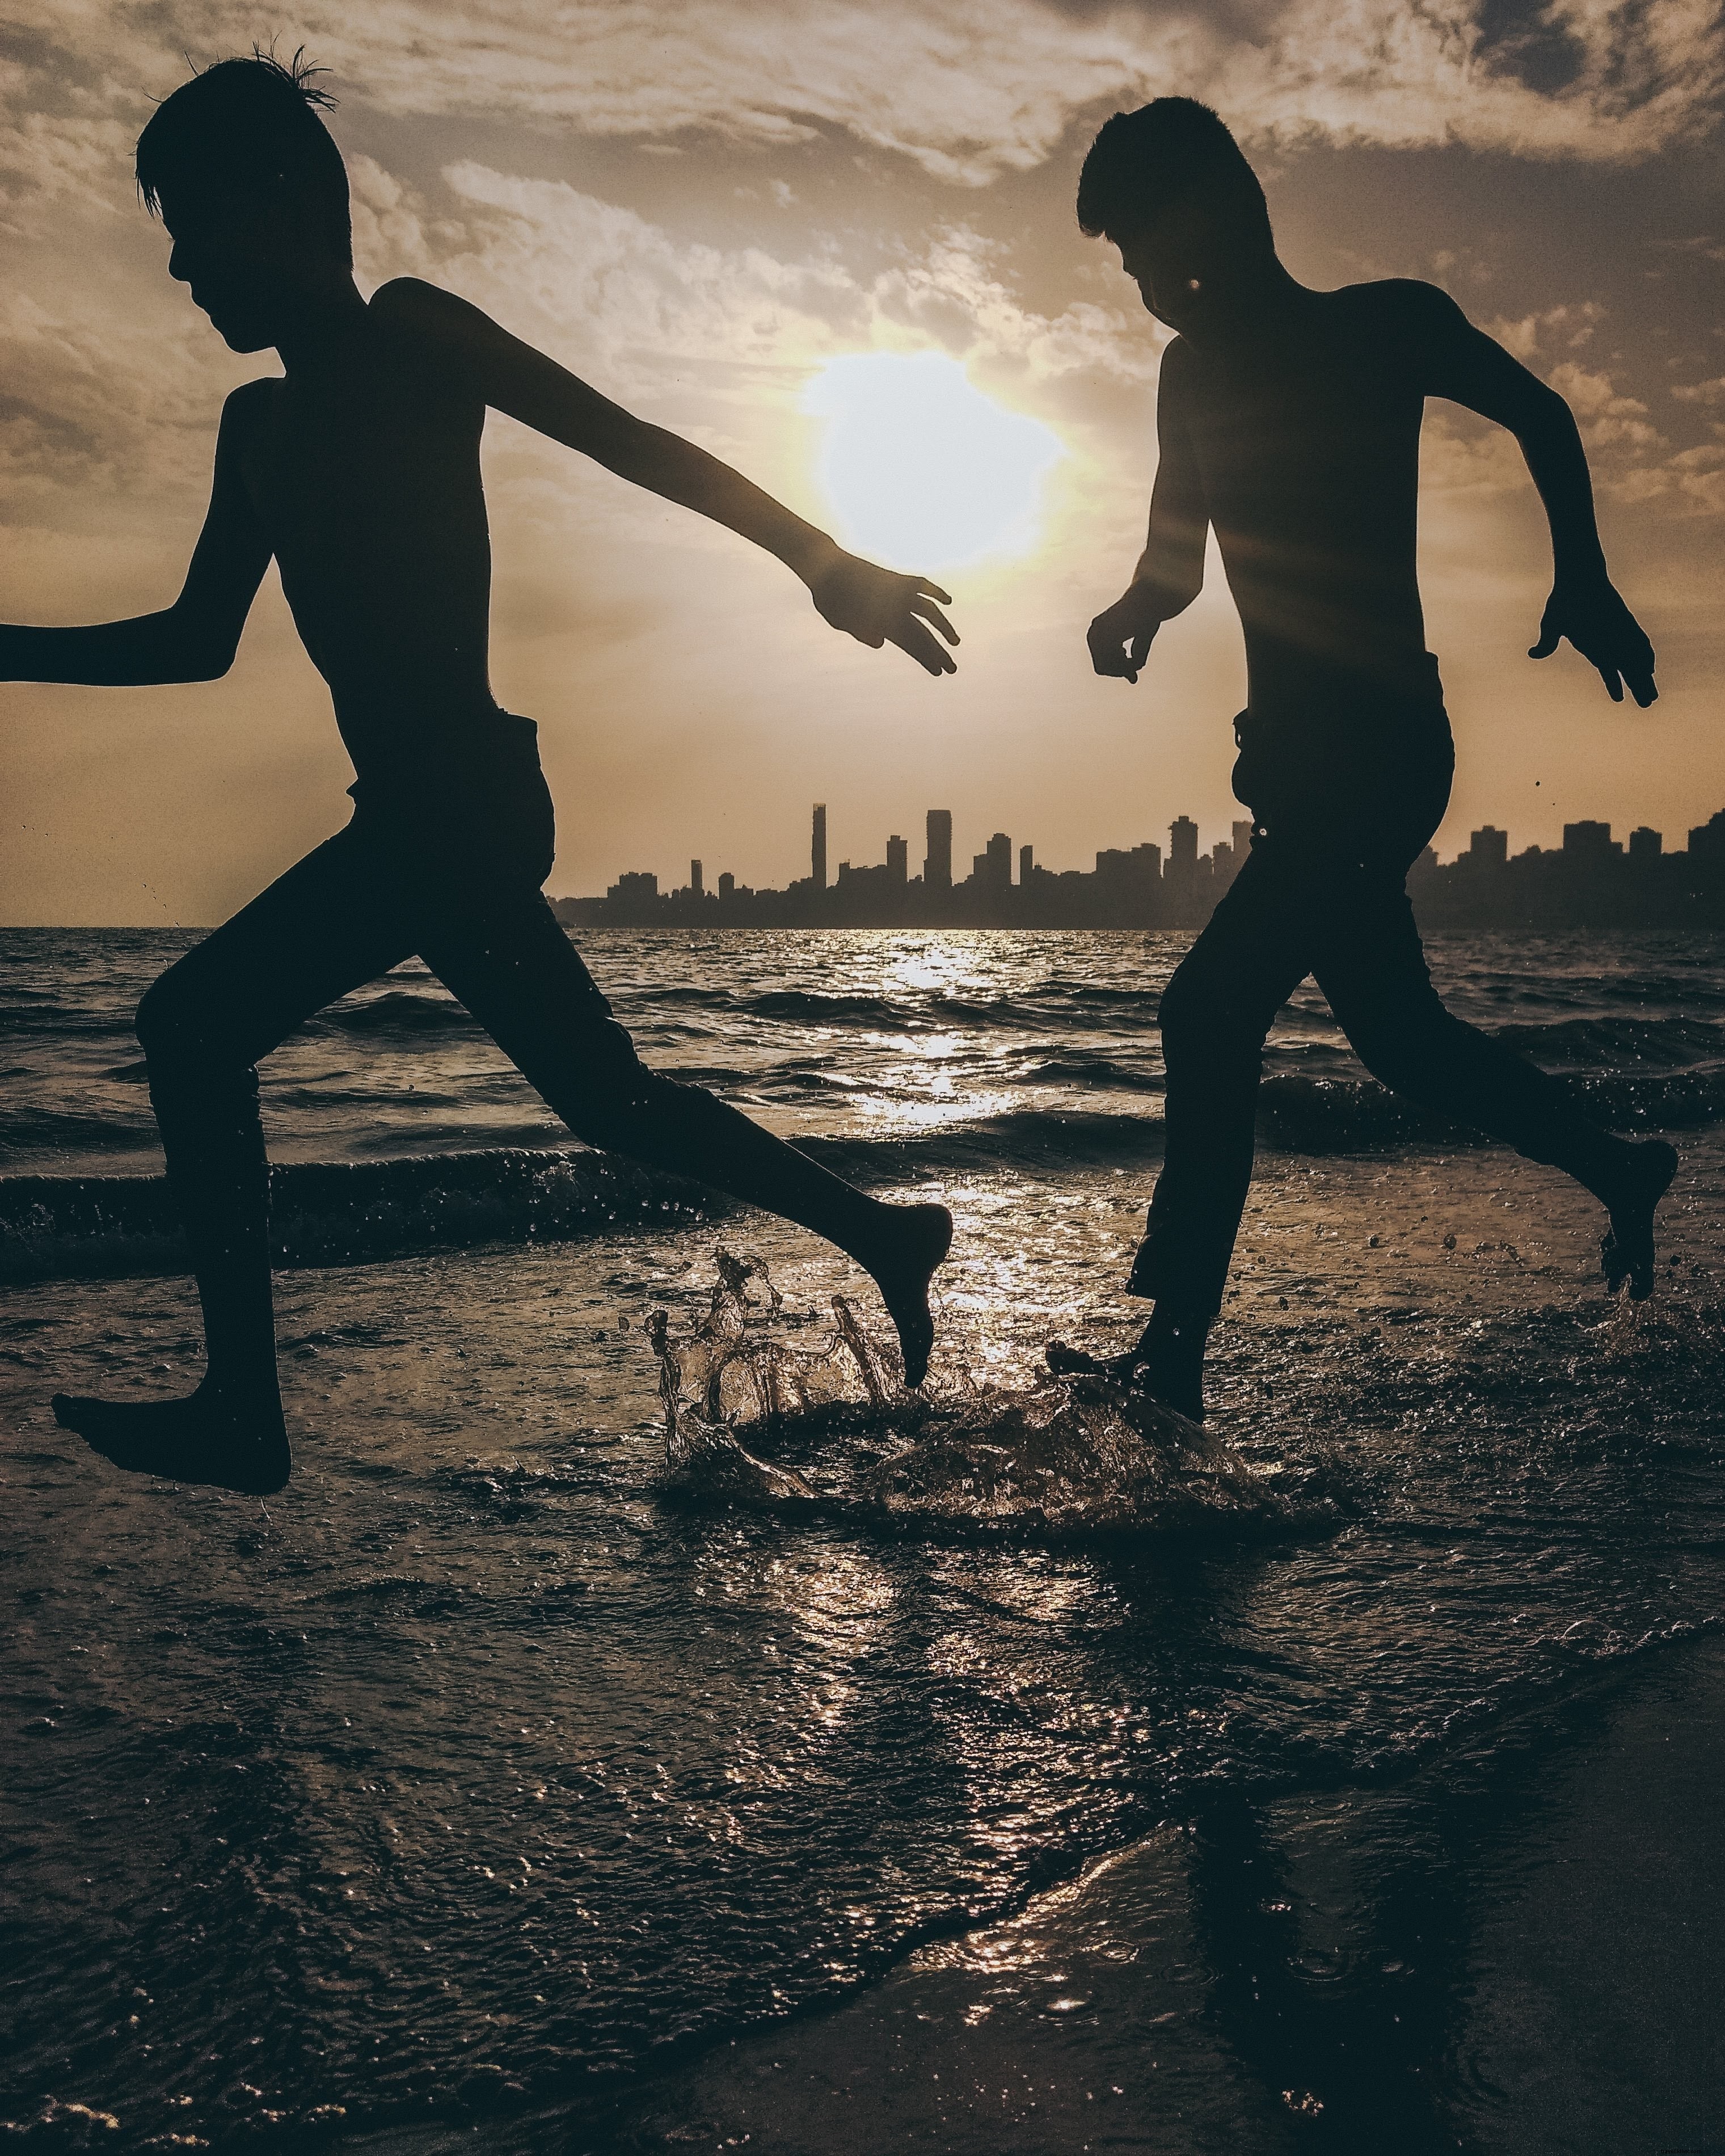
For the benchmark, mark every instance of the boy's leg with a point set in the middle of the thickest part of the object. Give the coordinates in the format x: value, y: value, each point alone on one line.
x: 1215, y: 1013
x: 1369, y: 962
x: 512, y: 966
x: 324, y: 927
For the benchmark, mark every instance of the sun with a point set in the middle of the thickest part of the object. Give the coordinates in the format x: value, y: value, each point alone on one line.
x: 923, y: 470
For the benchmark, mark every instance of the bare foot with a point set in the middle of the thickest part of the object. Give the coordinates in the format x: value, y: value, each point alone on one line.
x: 1626, y: 1251
x: 1166, y: 1365
x: 206, y: 1438
x: 917, y: 1239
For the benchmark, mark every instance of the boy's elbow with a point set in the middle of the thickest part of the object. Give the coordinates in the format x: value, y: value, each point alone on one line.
x: 1544, y: 411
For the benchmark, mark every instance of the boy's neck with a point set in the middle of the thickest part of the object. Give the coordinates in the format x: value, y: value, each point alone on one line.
x: 1268, y: 292
x: 318, y: 323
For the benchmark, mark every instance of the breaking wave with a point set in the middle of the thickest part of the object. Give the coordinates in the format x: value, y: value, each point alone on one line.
x: 342, y: 1212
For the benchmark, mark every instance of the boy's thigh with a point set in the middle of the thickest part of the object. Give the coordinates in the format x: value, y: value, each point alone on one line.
x: 504, y: 955
x: 331, y: 923
x: 1254, y: 952
x: 1367, y: 955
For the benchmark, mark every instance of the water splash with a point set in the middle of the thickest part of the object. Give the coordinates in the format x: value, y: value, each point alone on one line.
x: 1057, y: 1457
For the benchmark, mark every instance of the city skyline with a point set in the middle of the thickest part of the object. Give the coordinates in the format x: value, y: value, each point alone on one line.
x: 1488, y: 843
x: 1591, y: 880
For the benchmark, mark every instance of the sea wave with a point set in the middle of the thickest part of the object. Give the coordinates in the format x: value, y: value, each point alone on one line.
x: 338, y: 1213
x: 342, y: 1212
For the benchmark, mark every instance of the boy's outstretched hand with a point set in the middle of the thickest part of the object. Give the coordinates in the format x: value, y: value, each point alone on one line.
x: 877, y: 606
x: 1120, y: 637
x: 1595, y: 620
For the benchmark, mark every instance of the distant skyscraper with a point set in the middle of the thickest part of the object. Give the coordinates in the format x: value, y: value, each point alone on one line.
x: 1590, y: 842
x: 727, y: 884
x: 997, y: 861
x: 694, y: 878
x: 1182, y: 844
x: 898, y: 859
x: 1645, y: 844
x: 937, y: 868
x: 1027, y: 861
x: 1489, y: 847
x: 818, y: 848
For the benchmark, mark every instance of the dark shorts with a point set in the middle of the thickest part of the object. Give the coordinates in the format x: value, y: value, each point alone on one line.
x: 474, y: 799
x: 1364, y: 775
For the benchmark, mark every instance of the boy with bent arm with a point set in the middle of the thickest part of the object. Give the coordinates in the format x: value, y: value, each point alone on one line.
x: 359, y: 470
x: 1289, y: 420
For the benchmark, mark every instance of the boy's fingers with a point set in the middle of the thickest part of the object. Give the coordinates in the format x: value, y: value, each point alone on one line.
x: 1548, y: 643
x: 929, y: 611
x: 913, y: 638
x: 1614, y: 685
x: 933, y: 591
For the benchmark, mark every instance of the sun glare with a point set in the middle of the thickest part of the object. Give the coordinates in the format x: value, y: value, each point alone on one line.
x: 924, y: 471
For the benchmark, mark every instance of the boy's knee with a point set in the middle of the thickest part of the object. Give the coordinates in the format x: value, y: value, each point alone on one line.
x: 178, y: 1032
x: 159, y: 1023
x: 1199, y: 1021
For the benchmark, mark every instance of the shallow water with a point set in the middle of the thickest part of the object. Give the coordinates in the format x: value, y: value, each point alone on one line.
x: 473, y: 1775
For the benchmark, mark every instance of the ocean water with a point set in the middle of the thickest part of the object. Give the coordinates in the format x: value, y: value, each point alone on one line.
x: 485, y: 1780
x: 894, y: 1054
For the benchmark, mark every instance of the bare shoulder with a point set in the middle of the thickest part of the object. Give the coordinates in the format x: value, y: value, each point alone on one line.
x: 1406, y: 304
x: 246, y: 408
x: 411, y: 299
x: 445, y: 338
x: 1178, y: 365
x: 411, y: 305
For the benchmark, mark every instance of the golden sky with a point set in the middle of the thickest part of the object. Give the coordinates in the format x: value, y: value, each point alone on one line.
x: 715, y: 212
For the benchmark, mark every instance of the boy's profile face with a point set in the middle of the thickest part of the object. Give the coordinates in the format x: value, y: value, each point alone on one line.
x: 1186, y: 261
x: 235, y: 252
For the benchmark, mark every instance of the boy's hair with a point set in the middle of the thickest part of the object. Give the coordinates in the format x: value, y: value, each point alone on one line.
x: 245, y: 126
x: 1168, y: 151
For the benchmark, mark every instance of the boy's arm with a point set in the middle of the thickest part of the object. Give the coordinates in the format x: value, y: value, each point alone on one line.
x: 1465, y: 365
x: 196, y: 638
x: 872, y: 604
x: 1170, y: 571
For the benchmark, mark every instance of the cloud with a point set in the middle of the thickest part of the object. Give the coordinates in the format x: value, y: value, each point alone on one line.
x: 970, y: 89
x: 967, y: 89
x: 1700, y: 392
x: 606, y: 288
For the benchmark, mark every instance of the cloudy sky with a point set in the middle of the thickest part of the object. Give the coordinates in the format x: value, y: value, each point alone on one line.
x: 715, y: 212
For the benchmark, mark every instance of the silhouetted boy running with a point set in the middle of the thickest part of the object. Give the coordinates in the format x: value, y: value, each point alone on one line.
x: 1289, y: 420
x: 359, y: 471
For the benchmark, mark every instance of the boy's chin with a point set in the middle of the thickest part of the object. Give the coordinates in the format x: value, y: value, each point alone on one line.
x: 242, y: 335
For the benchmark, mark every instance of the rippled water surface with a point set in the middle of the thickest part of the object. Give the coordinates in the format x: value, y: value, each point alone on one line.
x: 475, y: 1775
x: 934, y: 1042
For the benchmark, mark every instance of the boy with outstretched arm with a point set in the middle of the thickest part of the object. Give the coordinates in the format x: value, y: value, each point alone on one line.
x: 1289, y: 421
x: 357, y: 469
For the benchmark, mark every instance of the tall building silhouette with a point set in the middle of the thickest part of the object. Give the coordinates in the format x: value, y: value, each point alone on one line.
x: 1588, y: 842
x: 937, y: 867
x: 898, y: 859
x: 818, y: 848
x: 1489, y: 847
x: 694, y: 878
x: 1027, y: 861
x: 993, y: 866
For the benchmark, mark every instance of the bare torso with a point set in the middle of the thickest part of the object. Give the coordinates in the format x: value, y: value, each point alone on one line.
x: 1305, y: 448
x: 365, y: 476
